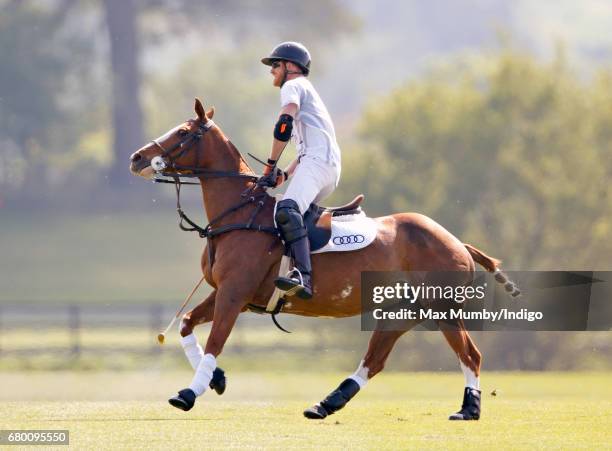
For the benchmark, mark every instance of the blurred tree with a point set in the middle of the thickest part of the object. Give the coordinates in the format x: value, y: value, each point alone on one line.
x: 44, y: 67
x: 58, y: 52
x: 505, y: 152
x: 235, y: 83
x: 122, y: 17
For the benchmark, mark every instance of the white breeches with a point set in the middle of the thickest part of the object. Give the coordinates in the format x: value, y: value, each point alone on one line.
x: 312, y: 181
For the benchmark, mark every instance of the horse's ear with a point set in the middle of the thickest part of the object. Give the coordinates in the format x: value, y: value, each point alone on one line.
x: 199, y: 109
x: 211, y: 112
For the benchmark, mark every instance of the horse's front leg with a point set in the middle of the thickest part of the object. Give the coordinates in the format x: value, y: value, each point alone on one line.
x: 202, y: 313
x: 229, y: 302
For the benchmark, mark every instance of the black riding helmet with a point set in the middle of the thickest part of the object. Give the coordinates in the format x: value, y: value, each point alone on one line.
x: 290, y: 51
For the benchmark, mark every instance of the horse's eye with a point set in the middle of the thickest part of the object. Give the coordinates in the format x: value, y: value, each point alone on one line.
x: 182, y: 132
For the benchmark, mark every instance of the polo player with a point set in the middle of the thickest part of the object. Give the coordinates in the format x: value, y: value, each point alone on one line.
x: 314, y: 173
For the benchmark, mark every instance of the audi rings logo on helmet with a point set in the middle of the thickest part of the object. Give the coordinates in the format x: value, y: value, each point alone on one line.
x: 348, y: 239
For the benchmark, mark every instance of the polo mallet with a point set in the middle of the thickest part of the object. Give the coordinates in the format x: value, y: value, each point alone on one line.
x: 162, y: 336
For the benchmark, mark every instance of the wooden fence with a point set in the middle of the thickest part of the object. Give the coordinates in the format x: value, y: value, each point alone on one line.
x: 74, y: 330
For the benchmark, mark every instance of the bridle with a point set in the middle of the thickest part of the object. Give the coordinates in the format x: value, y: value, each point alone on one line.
x: 167, y: 160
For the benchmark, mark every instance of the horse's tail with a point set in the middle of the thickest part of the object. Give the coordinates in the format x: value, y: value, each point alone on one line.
x: 493, y: 265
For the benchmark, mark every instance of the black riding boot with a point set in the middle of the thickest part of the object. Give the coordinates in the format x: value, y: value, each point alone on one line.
x: 300, y: 251
x: 291, y: 224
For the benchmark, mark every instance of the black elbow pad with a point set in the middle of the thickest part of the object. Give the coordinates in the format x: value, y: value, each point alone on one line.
x: 283, y: 128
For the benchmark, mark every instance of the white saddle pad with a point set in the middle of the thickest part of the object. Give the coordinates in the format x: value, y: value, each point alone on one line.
x: 350, y: 233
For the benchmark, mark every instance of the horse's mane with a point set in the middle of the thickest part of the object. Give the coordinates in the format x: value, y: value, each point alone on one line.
x: 233, y: 148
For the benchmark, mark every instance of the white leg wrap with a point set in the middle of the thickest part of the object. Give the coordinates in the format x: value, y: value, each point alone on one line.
x: 360, y: 375
x: 471, y: 380
x: 192, y: 349
x: 203, y: 374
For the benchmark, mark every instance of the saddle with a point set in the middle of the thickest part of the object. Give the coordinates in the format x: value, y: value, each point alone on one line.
x: 318, y: 220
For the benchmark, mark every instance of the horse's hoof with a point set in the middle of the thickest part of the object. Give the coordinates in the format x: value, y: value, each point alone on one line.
x: 461, y: 417
x: 217, y: 383
x: 316, y: 412
x: 184, y: 401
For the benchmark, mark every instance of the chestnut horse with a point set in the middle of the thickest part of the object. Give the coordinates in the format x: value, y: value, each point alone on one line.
x: 241, y: 264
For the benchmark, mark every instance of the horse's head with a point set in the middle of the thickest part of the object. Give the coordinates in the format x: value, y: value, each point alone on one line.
x: 178, y: 150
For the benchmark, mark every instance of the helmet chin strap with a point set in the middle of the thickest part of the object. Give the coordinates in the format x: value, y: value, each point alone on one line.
x: 287, y: 72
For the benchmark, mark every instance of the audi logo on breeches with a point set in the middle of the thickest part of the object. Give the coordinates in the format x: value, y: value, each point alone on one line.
x: 348, y: 239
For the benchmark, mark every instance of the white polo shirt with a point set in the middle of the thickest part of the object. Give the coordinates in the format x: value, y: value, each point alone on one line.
x: 313, y: 130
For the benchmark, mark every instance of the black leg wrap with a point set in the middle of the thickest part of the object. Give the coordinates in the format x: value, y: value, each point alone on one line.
x: 184, y: 400
x: 335, y: 401
x: 217, y: 383
x: 470, y: 409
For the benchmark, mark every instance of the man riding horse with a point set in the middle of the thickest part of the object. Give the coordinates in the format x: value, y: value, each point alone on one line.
x: 315, y: 171
x: 241, y: 223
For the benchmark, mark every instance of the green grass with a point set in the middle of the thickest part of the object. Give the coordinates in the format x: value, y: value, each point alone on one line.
x: 263, y: 410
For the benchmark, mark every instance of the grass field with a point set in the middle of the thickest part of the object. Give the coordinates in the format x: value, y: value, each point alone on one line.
x: 263, y: 410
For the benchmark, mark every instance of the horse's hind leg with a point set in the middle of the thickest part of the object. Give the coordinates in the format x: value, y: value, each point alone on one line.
x: 202, y: 313
x: 470, y: 360
x: 381, y: 344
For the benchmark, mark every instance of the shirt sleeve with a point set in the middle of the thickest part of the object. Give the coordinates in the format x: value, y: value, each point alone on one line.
x: 290, y: 93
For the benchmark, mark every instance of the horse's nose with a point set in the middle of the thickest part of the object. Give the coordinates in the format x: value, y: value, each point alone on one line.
x: 135, y: 157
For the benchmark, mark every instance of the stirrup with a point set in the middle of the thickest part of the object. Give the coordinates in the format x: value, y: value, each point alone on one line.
x: 299, y: 274
x: 289, y: 279
x: 288, y: 283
